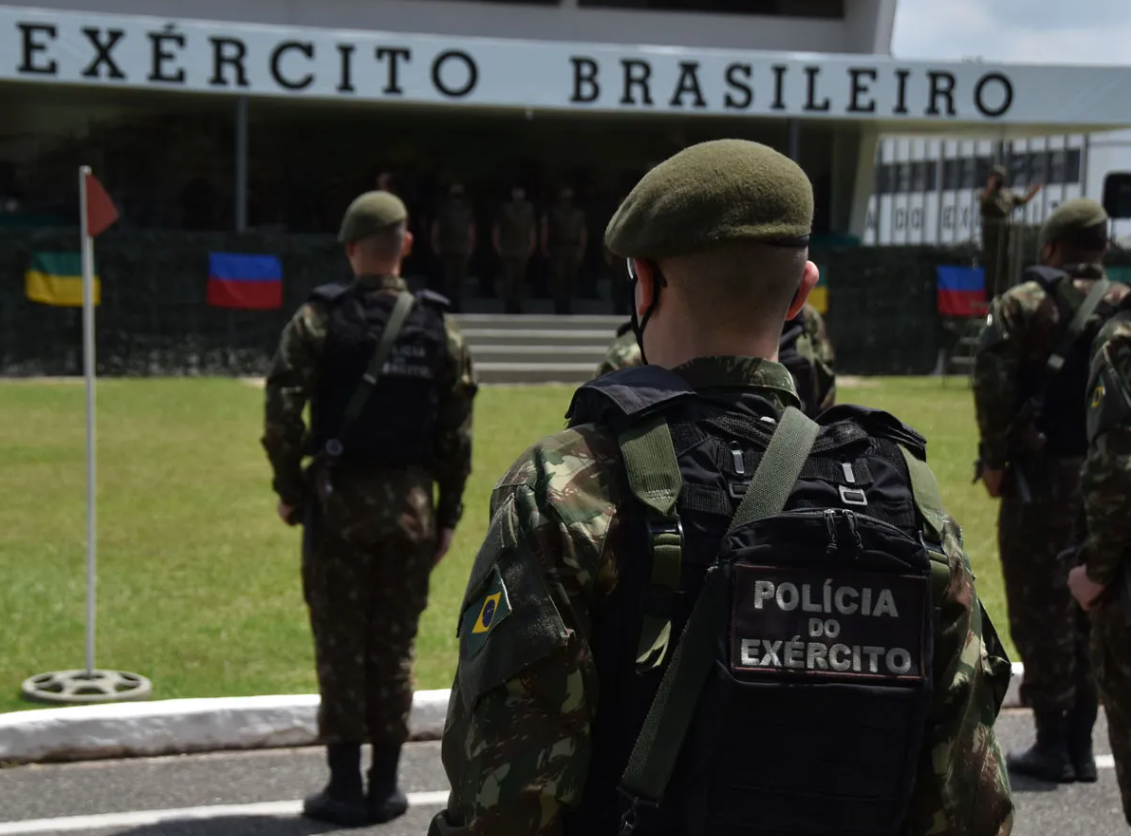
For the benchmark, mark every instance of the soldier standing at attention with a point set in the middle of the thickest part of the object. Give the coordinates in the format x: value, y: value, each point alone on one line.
x: 997, y: 205
x: 1030, y: 379
x: 453, y: 241
x: 515, y: 237
x: 1102, y: 583
x: 390, y: 384
x: 694, y: 601
x: 564, y: 239
x: 804, y: 349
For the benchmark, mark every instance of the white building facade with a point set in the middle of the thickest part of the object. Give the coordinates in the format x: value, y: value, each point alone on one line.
x: 812, y: 77
x: 926, y: 189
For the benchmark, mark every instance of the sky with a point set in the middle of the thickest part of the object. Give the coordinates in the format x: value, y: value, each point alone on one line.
x: 1015, y: 31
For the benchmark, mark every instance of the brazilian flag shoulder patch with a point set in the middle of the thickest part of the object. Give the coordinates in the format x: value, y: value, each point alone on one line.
x: 485, y: 613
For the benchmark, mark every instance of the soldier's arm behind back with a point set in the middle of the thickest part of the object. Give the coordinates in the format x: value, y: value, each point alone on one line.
x: 458, y: 388
x: 962, y: 785
x: 516, y: 743
x: 1106, y: 474
x: 289, y: 385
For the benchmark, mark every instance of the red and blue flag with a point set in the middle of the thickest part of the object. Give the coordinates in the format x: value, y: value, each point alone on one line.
x: 961, y: 290
x: 245, y: 282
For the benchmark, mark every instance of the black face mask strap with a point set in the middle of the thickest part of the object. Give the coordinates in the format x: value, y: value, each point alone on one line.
x: 638, y: 323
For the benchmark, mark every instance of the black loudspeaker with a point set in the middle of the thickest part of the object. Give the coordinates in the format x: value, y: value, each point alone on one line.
x: 1117, y: 195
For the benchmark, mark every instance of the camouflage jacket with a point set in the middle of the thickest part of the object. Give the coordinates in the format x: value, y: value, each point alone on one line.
x: 1106, y: 474
x: 624, y: 353
x: 1022, y: 329
x: 293, y: 379
x: 516, y: 744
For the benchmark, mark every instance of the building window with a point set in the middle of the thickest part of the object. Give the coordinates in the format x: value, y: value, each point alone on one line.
x: 969, y: 173
x: 1039, y: 167
x: 829, y: 9
x: 1019, y: 169
x: 1056, y: 166
x: 952, y: 175
x: 903, y: 184
x: 1072, y: 166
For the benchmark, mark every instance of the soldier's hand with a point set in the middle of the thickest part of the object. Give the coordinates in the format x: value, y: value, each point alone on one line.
x: 992, y: 479
x: 443, y: 543
x: 1084, y: 589
x: 286, y: 513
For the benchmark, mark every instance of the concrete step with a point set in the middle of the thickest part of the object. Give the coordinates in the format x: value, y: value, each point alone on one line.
x: 539, y: 322
x: 533, y: 373
x: 531, y: 336
x: 538, y: 354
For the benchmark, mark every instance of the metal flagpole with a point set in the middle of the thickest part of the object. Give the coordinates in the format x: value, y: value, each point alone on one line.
x: 88, y: 685
x: 88, y: 371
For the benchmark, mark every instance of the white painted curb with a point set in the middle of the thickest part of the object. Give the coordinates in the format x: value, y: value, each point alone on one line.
x: 174, y: 727
x: 171, y: 727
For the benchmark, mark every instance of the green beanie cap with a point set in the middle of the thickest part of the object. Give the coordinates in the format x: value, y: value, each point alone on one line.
x: 1071, y: 217
x: 369, y: 214
x: 723, y: 190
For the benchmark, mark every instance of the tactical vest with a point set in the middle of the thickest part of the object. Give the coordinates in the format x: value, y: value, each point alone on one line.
x: 796, y: 354
x: 397, y: 425
x: 770, y: 669
x: 1060, y: 385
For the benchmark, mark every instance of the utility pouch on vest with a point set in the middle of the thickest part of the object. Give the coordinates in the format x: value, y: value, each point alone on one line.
x: 334, y: 448
x: 796, y: 698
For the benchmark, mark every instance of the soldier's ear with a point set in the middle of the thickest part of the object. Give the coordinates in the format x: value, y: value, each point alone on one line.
x: 809, y: 281
x: 406, y: 248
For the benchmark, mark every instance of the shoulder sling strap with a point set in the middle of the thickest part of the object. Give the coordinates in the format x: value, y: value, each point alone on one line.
x: 1076, y: 325
x: 925, y: 493
x: 401, y: 310
x: 657, y: 748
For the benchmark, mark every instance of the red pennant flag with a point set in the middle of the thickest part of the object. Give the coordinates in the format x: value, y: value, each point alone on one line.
x: 100, y: 210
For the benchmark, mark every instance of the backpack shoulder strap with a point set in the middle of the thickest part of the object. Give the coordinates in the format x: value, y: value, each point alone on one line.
x: 655, y: 481
x: 928, y: 501
x: 653, y: 758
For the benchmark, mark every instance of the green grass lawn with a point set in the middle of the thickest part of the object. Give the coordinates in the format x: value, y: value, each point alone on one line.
x: 198, y: 580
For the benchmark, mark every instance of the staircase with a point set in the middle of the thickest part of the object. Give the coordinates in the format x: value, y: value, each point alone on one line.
x: 537, y: 348
x: 961, y: 358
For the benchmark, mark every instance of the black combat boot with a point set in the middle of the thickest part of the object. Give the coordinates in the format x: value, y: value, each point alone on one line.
x: 1047, y: 759
x: 386, y: 801
x: 342, y: 802
x: 1081, y: 721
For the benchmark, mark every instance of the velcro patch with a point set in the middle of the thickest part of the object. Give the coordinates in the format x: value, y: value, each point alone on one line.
x: 860, y: 626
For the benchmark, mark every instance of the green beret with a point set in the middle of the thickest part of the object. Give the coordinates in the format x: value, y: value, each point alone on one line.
x: 999, y: 170
x: 1071, y: 217
x: 724, y: 190
x: 371, y: 213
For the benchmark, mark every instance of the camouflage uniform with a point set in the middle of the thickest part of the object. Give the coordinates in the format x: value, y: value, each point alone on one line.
x: 453, y: 245
x: 996, y: 211
x: 1034, y: 537
x: 516, y: 229
x: 518, y: 759
x: 365, y: 575
x: 518, y: 745
x: 565, y: 228
x: 624, y: 353
x: 1106, y: 485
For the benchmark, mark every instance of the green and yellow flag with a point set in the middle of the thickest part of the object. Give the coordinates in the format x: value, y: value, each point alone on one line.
x: 56, y: 279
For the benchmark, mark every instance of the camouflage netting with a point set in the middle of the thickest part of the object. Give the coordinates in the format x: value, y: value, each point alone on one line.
x: 154, y: 319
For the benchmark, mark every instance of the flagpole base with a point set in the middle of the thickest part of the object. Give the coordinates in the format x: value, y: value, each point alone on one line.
x: 76, y: 688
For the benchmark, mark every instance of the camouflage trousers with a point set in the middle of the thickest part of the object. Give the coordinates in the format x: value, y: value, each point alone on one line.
x: 365, y: 600
x: 564, y: 266
x: 1047, y: 627
x: 514, y: 277
x: 1111, y: 655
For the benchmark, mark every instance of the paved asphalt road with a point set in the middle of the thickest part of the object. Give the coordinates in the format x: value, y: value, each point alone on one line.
x: 247, y: 794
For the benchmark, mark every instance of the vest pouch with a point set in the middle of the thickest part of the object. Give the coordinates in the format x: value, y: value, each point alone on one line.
x: 812, y: 719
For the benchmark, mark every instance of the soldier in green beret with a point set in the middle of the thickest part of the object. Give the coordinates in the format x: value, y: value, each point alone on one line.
x: 634, y: 653
x: 997, y: 206
x: 371, y: 531
x: 1030, y: 374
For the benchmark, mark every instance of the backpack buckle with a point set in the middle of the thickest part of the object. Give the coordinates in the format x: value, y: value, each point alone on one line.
x: 334, y: 448
x: 659, y: 530
x: 853, y: 496
x: 631, y: 818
